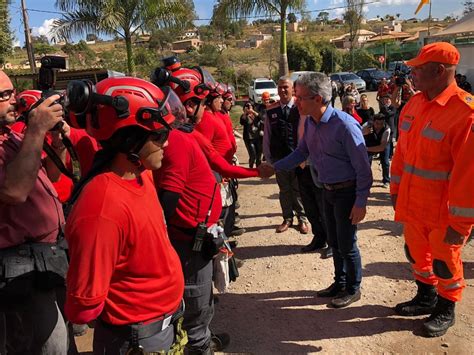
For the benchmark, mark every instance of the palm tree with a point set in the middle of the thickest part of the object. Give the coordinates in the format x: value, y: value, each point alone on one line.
x: 120, y: 18
x: 236, y: 8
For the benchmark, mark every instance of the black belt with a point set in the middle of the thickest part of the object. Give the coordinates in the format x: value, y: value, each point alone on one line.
x: 146, y: 330
x: 339, y: 185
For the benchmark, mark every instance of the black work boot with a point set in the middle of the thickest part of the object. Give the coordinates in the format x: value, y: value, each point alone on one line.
x: 423, y: 303
x: 441, y: 319
x: 219, y: 341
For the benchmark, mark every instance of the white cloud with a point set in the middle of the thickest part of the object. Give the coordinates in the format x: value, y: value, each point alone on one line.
x: 44, y: 29
x: 395, y: 2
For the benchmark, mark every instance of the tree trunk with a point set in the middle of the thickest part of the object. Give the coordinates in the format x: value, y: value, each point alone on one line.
x: 283, y: 67
x: 130, y: 59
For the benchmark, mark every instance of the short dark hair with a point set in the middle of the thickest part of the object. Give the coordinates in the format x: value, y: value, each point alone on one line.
x: 379, y: 117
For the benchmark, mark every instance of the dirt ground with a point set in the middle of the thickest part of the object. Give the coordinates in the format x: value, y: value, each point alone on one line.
x: 272, y: 308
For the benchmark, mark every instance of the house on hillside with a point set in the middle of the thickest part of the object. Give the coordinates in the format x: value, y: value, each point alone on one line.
x: 186, y: 44
x: 393, y: 36
x: 421, y: 36
x: 343, y: 41
x: 190, y: 33
x: 255, y: 40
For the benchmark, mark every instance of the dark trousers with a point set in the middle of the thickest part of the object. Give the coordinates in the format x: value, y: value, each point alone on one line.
x: 312, y: 198
x: 32, y: 325
x: 385, y: 162
x: 109, y: 341
x: 254, y: 148
x: 342, y: 237
x: 290, y: 199
x: 198, y: 296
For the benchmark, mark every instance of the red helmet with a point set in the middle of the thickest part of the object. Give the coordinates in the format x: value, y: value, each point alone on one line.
x: 25, y: 99
x: 229, y: 92
x: 197, y: 88
x: 114, y: 103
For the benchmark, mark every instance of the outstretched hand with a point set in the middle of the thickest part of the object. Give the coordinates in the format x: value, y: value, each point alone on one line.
x: 265, y: 170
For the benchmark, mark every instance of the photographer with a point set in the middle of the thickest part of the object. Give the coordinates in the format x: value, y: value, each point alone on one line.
x: 377, y: 138
x: 252, y: 124
x: 402, y: 91
x: 30, y: 225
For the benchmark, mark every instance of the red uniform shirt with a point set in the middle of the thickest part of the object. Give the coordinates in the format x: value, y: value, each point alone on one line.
x: 214, y: 129
x: 120, y: 252
x: 38, y: 218
x: 186, y: 171
x: 85, y: 147
x: 225, y: 117
x: 218, y: 163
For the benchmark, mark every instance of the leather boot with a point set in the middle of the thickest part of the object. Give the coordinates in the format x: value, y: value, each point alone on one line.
x: 441, y: 319
x: 423, y: 303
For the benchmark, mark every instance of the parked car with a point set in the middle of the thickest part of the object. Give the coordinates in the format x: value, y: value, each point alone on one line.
x: 398, y: 65
x: 372, y: 77
x: 259, y: 86
x: 346, y: 78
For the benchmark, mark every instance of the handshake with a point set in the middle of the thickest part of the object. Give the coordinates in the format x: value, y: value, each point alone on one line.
x: 265, y: 170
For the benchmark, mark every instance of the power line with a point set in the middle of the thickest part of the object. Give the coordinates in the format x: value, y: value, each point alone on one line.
x: 235, y: 18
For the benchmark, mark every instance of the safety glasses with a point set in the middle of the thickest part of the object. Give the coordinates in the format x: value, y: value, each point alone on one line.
x: 6, y: 95
x: 159, y: 136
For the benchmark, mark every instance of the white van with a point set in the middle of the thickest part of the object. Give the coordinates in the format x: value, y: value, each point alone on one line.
x: 259, y: 86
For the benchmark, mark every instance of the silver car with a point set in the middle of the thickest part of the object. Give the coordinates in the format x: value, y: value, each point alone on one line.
x: 347, y: 78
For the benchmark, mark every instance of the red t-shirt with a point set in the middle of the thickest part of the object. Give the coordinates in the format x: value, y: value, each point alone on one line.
x: 85, y: 147
x: 185, y: 170
x: 120, y: 254
x: 218, y: 163
x: 214, y: 129
x: 225, y: 117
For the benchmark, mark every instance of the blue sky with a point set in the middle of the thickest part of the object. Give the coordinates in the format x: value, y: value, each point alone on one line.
x: 40, y: 21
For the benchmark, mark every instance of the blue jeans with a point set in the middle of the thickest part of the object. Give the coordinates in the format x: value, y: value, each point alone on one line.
x: 385, y: 162
x: 342, y: 238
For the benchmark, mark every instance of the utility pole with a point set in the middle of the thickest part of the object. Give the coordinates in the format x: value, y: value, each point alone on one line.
x: 28, y: 45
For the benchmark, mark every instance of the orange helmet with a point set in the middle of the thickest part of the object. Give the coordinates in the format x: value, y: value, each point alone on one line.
x: 265, y: 95
x: 114, y: 103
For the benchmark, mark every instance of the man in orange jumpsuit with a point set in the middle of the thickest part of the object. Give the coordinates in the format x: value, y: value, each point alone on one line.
x: 432, y: 184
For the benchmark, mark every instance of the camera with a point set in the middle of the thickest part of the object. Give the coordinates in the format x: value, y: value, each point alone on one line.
x: 50, y: 65
x: 400, y: 79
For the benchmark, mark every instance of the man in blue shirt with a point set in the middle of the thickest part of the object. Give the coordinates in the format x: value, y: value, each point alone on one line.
x: 334, y: 144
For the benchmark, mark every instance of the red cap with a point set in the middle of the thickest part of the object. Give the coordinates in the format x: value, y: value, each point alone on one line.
x: 438, y: 52
x: 265, y: 95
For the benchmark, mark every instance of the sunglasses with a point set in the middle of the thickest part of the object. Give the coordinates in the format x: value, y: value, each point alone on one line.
x: 159, y: 136
x: 7, y: 94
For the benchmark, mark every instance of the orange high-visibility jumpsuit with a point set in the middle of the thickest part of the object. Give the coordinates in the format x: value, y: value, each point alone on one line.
x: 432, y: 175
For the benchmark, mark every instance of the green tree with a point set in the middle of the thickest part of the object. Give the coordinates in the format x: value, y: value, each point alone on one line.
x: 323, y: 17
x: 80, y: 54
x: 5, y: 34
x: 43, y: 48
x: 304, y: 56
x: 468, y: 7
x: 359, y: 59
x: 280, y: 8
x: 331, y: 57
x: 122, y: 18
x: 292, y: 18
x: 352, y: 18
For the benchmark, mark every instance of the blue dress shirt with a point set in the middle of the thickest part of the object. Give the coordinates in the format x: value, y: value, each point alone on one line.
x: 336, y: 149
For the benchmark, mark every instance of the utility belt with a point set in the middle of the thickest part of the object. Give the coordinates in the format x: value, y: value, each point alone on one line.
x: 135, y: 332
x: 31, y: 266
x: 204, y: 241
x: 339, y: 185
